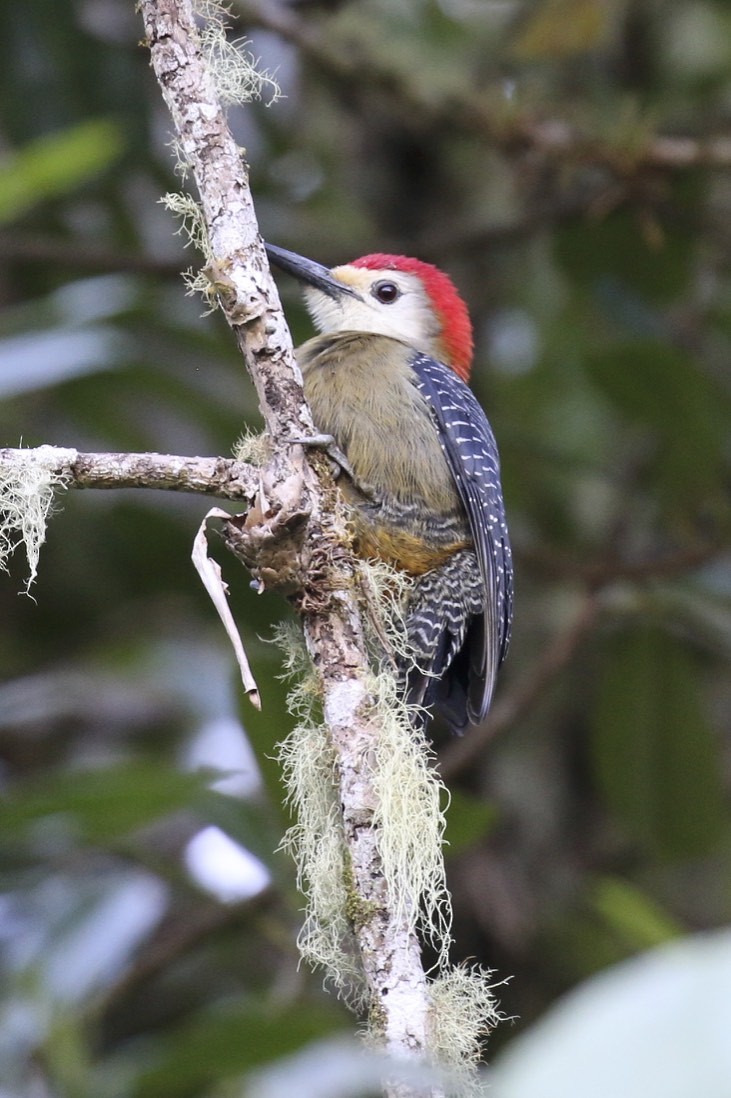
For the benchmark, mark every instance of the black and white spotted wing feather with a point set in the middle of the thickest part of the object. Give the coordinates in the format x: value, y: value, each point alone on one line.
x: 471, y: 451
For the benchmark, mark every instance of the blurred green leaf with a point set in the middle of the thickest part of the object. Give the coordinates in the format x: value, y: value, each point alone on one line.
x: 577, y: 943
x: 67, y: 1054
x: 468, y: 821
x: 654, y: 383
x: 217, y: 1044
x: 657, y: 386
x: 655, y: 265
x: 102, y: 804
x: 655, y: 753
x: 107, y: 804
x: 55, y: 164
x: 632, y: 914
x: 613, y: 920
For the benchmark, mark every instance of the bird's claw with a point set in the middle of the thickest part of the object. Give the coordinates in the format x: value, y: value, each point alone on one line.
x: 333, y: 451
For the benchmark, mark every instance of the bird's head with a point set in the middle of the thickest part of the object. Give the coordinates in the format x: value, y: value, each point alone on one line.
x: 388, y: 295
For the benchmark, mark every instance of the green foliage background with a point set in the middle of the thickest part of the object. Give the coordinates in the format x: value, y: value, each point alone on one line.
x: 595, y: 822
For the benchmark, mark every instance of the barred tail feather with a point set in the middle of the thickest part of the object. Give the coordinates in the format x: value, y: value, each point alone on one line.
x: 443, y: 623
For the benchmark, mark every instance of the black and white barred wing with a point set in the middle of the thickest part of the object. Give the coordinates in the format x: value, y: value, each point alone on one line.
x: 470, y: 448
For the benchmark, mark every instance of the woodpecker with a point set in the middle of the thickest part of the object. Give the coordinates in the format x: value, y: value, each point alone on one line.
x: 386, y: 379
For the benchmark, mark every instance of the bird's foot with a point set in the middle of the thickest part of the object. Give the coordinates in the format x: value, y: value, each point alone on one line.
x: 333, y: 451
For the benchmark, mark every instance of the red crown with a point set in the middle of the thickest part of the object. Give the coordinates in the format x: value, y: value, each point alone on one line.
x: 456, y: 338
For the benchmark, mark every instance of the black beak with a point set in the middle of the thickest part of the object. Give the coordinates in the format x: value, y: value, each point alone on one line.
x: 306, y: 270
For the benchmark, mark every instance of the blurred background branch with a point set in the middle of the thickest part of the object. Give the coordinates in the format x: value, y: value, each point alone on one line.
x: 352, y: 60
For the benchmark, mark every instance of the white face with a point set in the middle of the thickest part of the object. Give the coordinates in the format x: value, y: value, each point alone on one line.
x: 391, y: 303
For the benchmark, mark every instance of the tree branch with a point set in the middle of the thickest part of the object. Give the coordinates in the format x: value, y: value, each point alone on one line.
x: 223, y: 478
x: 552, y: 138
x: 239, y: 275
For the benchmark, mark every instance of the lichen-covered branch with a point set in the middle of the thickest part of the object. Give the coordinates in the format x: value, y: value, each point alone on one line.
x: 239, y: 277
x: 223, y: 478
x: 31, y: 478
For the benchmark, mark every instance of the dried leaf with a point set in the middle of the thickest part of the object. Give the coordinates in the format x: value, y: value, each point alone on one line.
x: 210, y: 573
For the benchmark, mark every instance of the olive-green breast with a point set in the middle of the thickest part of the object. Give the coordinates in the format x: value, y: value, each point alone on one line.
x: 361, y: 391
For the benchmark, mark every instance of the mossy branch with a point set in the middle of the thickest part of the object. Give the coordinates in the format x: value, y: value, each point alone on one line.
x: 30, y: 478
x: 387, y: 944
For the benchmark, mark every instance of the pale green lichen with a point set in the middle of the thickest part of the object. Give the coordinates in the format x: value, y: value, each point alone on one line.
x: 28, y: 481
x: 238, y: 79
x: 192, y: 223
x: 411, y: 797
x: 409, y: 823
x: 252, y: 447
x: 409, y: 819
x: 409, y: 826
x: 237, y: 74
x: 315, y: 841
x: 386, y: 591
x: 464, y: 1011
x: 193, y: 227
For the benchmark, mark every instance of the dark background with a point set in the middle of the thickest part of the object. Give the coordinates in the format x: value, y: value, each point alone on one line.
x: 517, y: 146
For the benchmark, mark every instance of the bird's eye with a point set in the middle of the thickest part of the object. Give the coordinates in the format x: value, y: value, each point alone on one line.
x: 385, y: 292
